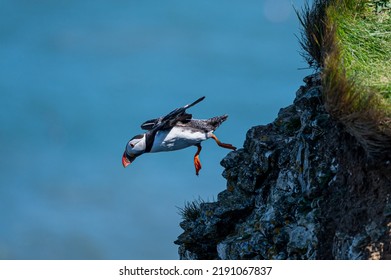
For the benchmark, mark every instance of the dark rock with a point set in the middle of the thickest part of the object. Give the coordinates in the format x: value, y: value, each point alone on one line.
x: 300, y: 188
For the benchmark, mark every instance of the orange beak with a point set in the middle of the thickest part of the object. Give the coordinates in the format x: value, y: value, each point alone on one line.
x: 126, y: 160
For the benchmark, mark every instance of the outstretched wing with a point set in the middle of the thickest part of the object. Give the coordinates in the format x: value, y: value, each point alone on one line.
x: 171, y: 119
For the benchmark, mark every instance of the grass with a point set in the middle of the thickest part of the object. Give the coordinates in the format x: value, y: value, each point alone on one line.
x: 192, y: 210
x: 350, y: 42
x: 364, y: 35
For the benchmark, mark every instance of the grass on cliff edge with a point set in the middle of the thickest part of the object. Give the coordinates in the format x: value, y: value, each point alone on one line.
x: 350, y: 42
x: 364, y: 37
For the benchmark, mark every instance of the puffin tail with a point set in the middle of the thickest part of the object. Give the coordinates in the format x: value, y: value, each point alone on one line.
x: 217, y: 121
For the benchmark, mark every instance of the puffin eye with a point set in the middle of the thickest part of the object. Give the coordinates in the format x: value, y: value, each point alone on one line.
x: 131, y: 145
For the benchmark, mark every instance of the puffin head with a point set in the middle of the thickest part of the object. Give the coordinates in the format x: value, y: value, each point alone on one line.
x: 134, y: 148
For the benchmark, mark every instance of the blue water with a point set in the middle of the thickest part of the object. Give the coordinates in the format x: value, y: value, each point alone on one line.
x: 78, y: 77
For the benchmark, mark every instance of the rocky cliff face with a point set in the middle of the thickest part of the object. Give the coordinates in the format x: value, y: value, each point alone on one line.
x: 300, y: 188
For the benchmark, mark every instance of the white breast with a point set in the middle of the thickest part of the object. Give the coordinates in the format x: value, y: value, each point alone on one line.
x: 177, y: 138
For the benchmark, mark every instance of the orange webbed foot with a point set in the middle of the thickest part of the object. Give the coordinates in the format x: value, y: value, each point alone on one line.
x: 197, y: 162
x: 197, y: 165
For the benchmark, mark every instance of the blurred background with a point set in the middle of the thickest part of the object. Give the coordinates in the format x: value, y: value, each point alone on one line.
x: 78, y: 77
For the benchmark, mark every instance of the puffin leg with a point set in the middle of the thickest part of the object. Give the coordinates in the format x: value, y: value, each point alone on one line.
x: 223, y: 145
x: 197, y: 162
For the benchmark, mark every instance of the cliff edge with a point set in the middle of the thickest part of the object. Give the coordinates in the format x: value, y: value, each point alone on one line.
x: 302, y: 187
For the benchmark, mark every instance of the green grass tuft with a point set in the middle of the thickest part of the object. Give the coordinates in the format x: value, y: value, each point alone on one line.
x: 350, y: 42
x: 364, y: 37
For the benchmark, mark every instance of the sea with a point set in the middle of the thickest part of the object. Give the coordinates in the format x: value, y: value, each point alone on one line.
x: 78, y: 77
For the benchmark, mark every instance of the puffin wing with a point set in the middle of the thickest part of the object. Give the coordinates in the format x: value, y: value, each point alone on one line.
x: 171, y: 119
x: 148, y: 125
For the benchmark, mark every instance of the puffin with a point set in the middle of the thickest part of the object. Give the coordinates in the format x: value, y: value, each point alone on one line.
x: 174, y: 131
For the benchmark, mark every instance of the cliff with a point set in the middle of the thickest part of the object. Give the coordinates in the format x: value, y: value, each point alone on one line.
x: 302, y: 187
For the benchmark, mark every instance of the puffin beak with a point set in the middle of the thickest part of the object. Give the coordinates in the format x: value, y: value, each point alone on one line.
x: 126, y: 160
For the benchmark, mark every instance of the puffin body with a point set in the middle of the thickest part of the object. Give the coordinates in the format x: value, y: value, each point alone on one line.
x: 176, y: 138
x: 175, y: 131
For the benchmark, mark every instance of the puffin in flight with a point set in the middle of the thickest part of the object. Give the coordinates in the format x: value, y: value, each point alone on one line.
x: 175, y: 131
